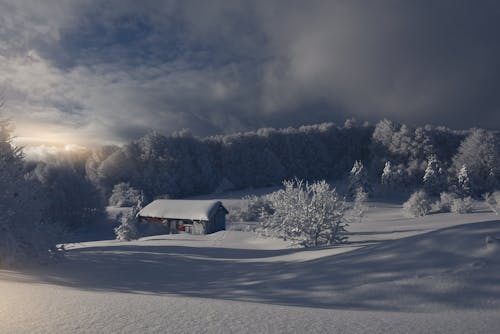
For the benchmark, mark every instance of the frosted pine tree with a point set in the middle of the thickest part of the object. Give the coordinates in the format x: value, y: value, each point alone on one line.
x: 464, y: 184
x: 434, y: 177
x: 393, y: 177
x: 387, y: 174
x: 359, y: 206
x: 358, y: 180
x: 491, y: 180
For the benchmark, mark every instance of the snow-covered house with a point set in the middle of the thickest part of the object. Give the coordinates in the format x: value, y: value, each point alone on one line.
x: 191, y: 216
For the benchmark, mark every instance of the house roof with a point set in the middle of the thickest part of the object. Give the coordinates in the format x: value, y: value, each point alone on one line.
x: 181, y: 209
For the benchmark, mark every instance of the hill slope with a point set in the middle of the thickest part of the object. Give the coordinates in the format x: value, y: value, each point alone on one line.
x: 434, y: 274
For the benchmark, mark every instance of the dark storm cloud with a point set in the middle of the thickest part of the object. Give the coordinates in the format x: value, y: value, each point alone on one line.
x: 122, y: 68
x: 418, y: 61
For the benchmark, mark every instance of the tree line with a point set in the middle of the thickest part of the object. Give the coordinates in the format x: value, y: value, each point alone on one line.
x: 395, y: 154
x: 71, y: 191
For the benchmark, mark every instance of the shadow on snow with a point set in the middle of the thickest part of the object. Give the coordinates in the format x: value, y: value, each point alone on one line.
x: 448, y: 267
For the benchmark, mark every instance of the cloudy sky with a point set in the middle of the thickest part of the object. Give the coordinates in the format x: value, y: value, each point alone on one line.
x: 89, y: 72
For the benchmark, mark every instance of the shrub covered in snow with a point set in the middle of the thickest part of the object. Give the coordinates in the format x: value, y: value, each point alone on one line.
x: 493, y: 201
x: 257, y: 206
x: 462, y: 205
x: 253, y: 209
x: 445, y: 201
x: 235, y: 215
x: 311, y: 213
x: 124, y: 195
x: 127, y: 230
x: 418, y: 204
x: 450, y: 202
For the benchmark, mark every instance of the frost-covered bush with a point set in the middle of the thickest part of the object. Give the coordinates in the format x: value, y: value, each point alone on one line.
x: 493, y: 201
x: 311, y: 213
x: 257, y: 206
x: 450, y: 202
x: 462, y: 205
x: 418, y: 204
x: 127, y: 230
x: 253, y: 209
x: 234, y: 215
x: 445, y: 201
x: 124, y: 195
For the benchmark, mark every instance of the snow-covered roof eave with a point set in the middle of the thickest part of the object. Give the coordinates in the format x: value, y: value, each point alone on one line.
x: 181, y: 209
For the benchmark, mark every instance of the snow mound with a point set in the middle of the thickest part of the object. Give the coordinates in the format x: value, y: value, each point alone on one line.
x: 492, y: 244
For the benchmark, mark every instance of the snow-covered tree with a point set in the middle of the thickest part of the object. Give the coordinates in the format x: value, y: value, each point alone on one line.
x: 387, y: 174
x: 480, y: 153
x: 257, y: 207
x: 24, y: 236
x: 464, y: 183
x: 392, y: 177
x: 312, y: 213
x: 124, y: 195
x: 462, y: 205
x: 73, y: 201
x: 358, y: 179
x: 127, y: 230
x: 359, y: 206
x: 434, y: 177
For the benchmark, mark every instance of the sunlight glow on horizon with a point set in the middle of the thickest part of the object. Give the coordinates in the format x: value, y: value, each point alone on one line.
x: 38, y: 149
x: 42, y: 144
x: 60, y: 138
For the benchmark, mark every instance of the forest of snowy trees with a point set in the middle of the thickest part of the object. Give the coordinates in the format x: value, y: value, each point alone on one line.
x: 396, y: 155
x: 69, y: 191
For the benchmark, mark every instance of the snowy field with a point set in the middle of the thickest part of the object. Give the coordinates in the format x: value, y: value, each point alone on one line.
x: 397, y: 275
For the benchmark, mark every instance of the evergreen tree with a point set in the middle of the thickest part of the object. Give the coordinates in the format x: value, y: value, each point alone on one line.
x: 387, y: 174
x: 358, y: 180
x: 464, y: 183
x: 434, y: 177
